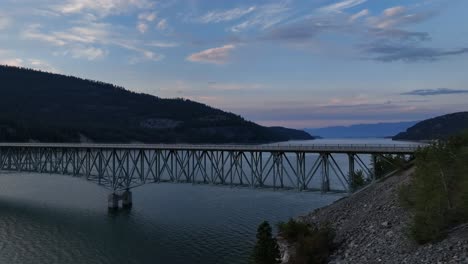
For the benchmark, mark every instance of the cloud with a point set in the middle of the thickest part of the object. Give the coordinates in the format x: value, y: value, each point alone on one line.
x: 17, y: 62
x: 29, y: 63
x: 226, y: 15
x: 301, y: 31
x: 399, y: 34
x: 101, y: 7
x: 341, y: 6
x: 409, y: 53
x: 265, y: 17
x: 439, y: 91
x: 4, y: 21
x: 162, y: 25
x: 42, y: 65
x: 150, y: 16
x: 145, y: 55
x: 218, y: 55
x: 160, y: 44
x: 358, y: 15
x: 89, y: 53
x: 92, y: 33
x: 85, y: 41
x: 142, y: 27
x: 143, y: 20
x: 394, y: 11
x: 398, y: 16
x: 32, y: 32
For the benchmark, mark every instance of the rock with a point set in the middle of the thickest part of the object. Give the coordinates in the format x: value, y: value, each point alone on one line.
x: 385, y: 224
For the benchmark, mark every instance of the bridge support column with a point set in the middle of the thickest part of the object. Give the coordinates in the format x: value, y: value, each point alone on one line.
x: 113, y: 201
x: 374, y: 167
x: 325, y: 172
x: 127, y: 201
x: 351, y: 170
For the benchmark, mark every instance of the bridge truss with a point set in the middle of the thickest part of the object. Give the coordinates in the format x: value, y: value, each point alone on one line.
x: 123, y: 167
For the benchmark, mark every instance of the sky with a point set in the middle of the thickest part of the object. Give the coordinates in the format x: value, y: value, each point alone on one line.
x: 294, y: 63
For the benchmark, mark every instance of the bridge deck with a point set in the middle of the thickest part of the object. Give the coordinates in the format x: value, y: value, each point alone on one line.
x: 319, y: 148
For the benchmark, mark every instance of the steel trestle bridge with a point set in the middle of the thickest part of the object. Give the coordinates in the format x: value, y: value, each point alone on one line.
x: 121, y: 167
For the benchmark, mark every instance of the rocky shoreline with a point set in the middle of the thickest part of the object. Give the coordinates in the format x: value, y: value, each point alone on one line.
x: 371, y: 227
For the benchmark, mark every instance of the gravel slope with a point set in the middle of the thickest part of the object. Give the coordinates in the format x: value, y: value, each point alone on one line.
x: 370, y: 228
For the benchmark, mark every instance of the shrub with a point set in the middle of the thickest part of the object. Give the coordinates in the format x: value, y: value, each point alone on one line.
x: 438, y: 192
x: 266, y: 250
x: 313, y: 244
x: 292, y: 230
x: 388, y: 163
x: 358, y: 180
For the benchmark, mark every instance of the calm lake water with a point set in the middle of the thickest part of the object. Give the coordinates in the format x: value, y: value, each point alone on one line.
x: 60, y: 219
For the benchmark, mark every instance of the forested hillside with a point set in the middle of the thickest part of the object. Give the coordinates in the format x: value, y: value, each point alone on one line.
x: 45, y: 107
x: 441, y: 127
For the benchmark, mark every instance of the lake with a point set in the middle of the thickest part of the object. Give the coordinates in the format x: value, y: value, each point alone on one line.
x: 60, y: 219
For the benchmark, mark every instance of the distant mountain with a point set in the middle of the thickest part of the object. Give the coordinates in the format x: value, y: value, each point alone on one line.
x: 379, y: 130
x: 440, y: 127
x: 45, y: 107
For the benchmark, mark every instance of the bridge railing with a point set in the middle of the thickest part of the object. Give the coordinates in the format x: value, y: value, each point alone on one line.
x: 232, y: 147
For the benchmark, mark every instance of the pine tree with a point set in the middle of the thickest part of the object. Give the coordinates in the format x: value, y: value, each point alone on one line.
x: 266, y: 250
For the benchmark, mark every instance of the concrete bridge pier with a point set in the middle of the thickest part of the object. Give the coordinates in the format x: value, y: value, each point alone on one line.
x: 325, y: 172
x: 114, y: 198
x: 127, y: 201
x: 113, y: 201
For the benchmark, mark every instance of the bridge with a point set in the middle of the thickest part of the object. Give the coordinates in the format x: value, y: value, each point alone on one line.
x: 121, y: 167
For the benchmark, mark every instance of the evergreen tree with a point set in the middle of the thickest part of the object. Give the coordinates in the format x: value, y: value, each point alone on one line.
x: 266, y: 250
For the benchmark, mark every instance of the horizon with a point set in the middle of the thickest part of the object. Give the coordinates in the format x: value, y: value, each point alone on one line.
x: 288, y: 63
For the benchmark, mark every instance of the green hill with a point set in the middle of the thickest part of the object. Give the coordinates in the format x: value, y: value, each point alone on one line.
x: 440, y: 127
x: 45, y: 107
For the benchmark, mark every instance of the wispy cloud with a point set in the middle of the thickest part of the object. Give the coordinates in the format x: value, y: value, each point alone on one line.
x: 161, y: 44
x: 89, y: 53
x: 218, y: 55
x: 398, y: 16
x: 101, y: 7
x: 409, y: 53
x: 439, y: 91
x: 341, y: 6
x: 302, y: 30
x: 359, y: 15
x: 225, y: 15
x: 87, y: 41
x: 4, y: 21
x: 265, y: 17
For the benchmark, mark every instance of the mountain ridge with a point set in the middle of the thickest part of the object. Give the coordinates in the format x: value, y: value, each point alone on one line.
x: 49, y: 107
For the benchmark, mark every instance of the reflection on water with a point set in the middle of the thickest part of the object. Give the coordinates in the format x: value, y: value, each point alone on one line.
x: 60, y: 219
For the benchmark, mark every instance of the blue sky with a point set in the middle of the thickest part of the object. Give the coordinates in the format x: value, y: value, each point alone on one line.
x: 294, y: 63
